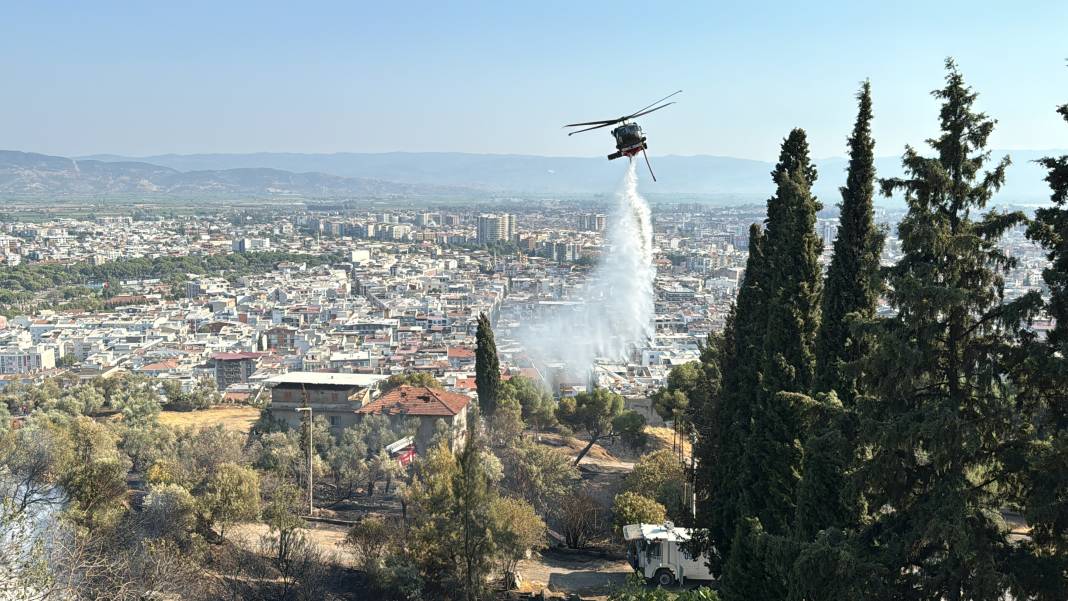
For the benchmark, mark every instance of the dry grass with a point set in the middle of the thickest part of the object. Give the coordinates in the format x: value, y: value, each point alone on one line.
x: 236, y: 418
x: 660, y: 438
x: 572, y: 446
x: 329, y: 538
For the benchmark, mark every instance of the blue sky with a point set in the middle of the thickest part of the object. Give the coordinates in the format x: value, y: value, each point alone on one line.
x: 142, y: 78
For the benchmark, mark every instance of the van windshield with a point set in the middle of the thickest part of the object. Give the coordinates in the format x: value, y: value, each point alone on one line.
x: 652, y: 550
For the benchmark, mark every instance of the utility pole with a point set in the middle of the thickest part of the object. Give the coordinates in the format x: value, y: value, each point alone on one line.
x: 311, y: 498
x: 693, y: 473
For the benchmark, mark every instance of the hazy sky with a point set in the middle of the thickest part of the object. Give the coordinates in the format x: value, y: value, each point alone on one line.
x: 142, y: 78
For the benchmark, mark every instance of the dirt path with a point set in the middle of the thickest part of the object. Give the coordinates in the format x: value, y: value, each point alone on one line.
x: 591, y: 577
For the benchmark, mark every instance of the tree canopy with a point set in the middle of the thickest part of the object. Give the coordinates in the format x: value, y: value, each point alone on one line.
x: 592, y: 413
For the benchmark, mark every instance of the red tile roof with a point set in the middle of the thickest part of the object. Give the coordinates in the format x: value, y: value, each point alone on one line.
x: 161, y: 366
x: 461, y: 353
x: 416, y: 401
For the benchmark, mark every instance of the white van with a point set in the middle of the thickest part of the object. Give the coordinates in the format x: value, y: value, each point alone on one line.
x: 656, y: 551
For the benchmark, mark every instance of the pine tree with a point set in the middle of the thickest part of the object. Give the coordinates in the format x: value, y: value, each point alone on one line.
x: 773, y: 452
x: 937, y: 418
x: 1046, y: 505
x: 1050, y: 229
x: 852, y: 279
x: 487, y: 367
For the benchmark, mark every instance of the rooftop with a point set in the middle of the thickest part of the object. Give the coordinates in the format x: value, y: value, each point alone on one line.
x: 417, y: 401
x: 235, y: 356
x: 310, y: 378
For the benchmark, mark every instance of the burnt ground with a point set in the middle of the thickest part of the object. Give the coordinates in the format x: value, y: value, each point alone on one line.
x: 592, y: 573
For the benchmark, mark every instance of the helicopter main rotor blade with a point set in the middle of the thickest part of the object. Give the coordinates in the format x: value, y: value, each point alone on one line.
x: 605, y: 122
x: 650, y: 110
x: 635, y: 114
x: 571, y: 133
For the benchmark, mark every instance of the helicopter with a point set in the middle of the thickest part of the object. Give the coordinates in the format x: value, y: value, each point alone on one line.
x: 630, y: 140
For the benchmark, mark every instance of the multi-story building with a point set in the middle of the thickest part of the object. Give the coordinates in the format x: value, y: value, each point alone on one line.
x: 393, y: 231
x: 677, y: 294
x: 591, y: 222
x: 244, y: 245
x: 565, y: 252
x: 494, y: 228
x: 336, y: 397
x: 281, y: 338
x: 233, y: 368
x: 21, y: 359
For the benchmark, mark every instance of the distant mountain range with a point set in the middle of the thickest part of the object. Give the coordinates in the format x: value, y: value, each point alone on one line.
x: 447, y: 174
x: 699, y: 175
x: 24, y: 174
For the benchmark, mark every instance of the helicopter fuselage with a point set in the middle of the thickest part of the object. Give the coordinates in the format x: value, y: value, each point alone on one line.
x: 630, y: 140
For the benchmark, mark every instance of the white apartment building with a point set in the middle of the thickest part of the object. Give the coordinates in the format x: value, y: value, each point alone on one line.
x: 19, y: 359
x: 492, y: 228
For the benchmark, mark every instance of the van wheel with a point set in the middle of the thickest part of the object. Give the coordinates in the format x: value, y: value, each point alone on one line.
x: 664, y: 577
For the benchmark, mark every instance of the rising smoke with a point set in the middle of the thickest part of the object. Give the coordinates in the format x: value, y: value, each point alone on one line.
x: 616, y: 311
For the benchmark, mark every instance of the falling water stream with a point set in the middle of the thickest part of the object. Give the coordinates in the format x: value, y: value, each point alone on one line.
x: 616, y: 313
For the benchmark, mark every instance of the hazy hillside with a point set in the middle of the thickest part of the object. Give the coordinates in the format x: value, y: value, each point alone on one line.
x: 30, y: 174
x: 431, y: 175
x: 700, y: 174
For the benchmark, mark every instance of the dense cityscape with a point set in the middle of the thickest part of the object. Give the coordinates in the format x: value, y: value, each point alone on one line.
x: 390, y: 292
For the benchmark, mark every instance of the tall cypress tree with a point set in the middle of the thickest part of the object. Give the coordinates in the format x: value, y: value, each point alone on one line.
x: 773, y: 453
x: 794, y: 275
x: 937, y: 418
x: 726, y: 423
x: 823, y: 498
x: 852, y: 285
x: 487, y: 367
x: 704, y: 408
x: 745, y: 576
x: 850, y: 291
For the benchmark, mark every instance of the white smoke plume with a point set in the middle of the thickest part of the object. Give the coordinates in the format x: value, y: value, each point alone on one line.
x: 617, y: 311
